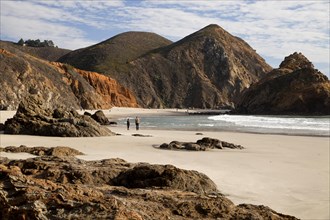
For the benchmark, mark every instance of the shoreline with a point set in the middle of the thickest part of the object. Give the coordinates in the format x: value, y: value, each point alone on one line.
x: 288, y: 173
x: 222, y: 130
x: 117, y: 113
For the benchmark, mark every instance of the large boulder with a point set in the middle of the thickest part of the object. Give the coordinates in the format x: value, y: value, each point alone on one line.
x: 100, y: 118
x: 51, y: 187
x: 34, y: 118
x: 168, y: 176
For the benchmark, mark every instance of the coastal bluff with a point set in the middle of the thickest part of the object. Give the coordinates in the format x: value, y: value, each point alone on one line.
x: 33, y: 117
x: 295, y: 88
x: 64, y: 187
x: 58, y: 83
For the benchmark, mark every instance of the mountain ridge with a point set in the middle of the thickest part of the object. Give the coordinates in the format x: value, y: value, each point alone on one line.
x: 198, y: 64
x: 209, y: 68
x: 115, y: 51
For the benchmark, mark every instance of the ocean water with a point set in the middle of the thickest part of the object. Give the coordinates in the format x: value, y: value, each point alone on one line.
x: 315, y: 126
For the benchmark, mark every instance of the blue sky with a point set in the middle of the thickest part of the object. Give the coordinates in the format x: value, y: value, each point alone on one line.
x: 274, y: 28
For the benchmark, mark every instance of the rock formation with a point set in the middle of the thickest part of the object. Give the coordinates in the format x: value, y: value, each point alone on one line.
x: 58, y: 151
x: 50, y: 187
x: 295, y: 88
x: 34, y: 118
x: 201, y: 145
x: 22, y: 74
x: 100, y: 118
x: 207, y: 69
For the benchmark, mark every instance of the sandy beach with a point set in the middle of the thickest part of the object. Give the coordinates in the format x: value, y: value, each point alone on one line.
x: 290, y: 174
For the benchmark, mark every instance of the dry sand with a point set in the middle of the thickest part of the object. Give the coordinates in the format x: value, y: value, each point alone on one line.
x: 290, y: 174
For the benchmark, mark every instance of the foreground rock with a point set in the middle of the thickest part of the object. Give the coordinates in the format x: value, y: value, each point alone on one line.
x: 51, y: 187
x: 296, y: 88
x: 201, y: 145
x: 41, y: 151
x: 34, y: 118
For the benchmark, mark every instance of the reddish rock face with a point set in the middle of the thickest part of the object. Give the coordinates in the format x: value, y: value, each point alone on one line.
x: 109, y: 90
x: 58, y: 84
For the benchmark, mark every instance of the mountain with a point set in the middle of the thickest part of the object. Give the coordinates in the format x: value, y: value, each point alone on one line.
x: 207, y: 69
x: 114, y: 53
x: 296, y: 87
x: 46, y: 53
x: 58, y: 83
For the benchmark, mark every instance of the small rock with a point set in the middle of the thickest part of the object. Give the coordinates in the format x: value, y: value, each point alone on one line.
x: 141, y: 135
x: 201, y: 145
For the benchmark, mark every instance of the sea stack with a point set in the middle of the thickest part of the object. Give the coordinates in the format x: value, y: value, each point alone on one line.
x: 295, y: 88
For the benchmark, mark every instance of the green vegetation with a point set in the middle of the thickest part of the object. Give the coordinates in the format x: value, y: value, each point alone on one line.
x: 36, y: 43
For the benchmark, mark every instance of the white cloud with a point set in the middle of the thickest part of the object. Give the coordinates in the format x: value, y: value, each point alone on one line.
x: 168, y: 22
x: 29, y: 20
x: 274, y: 28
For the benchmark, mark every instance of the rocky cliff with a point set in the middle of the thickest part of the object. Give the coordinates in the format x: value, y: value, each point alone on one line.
x: 296, y: 87
x: 22, y: 74
x: 207, y: 69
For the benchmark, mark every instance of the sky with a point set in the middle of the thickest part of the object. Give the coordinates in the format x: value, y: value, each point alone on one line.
x: 275, y: 29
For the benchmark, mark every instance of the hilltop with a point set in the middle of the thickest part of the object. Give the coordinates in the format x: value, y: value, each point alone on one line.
x: 114, y: 53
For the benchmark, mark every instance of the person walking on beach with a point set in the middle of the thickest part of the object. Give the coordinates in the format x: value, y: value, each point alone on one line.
x: 128, y: 123
x: 137, y: 122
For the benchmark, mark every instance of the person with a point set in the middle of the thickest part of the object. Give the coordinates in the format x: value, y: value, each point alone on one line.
x: 128, y: 123
x: 137, y: 122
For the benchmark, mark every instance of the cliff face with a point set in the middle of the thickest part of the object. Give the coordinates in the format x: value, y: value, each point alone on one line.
x: 294, y: 88
x: 58, y: 84
x: 207, y: 69
x: 108, y: 90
